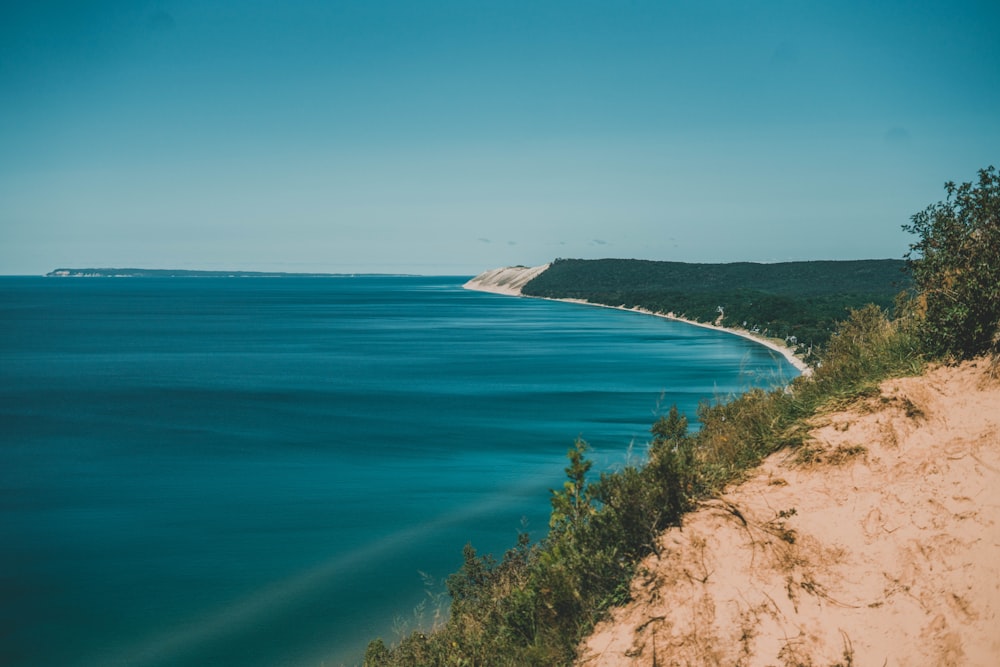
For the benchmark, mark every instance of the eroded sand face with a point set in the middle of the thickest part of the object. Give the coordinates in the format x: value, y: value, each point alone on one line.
x: 508, y: 280
x: 884, y: 549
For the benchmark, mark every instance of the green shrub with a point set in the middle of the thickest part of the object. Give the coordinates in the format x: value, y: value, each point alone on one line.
x: 867, y: 348
x: 956, y: 268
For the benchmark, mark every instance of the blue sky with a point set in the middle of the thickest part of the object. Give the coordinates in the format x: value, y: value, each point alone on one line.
x: 453, y: 137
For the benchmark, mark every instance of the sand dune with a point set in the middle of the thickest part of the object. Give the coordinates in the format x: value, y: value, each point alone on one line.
x: 508, y: 280
x: 883, y: 548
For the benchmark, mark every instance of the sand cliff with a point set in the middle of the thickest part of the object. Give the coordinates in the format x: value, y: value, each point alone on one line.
x: 882, y: 547
x: 508, y: 280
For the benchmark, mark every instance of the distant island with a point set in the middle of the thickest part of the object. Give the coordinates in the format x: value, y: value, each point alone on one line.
x: 185, y: 273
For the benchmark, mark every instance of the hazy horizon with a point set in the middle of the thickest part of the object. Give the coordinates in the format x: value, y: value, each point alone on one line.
x: 346, y: 273
x: 447, y: 138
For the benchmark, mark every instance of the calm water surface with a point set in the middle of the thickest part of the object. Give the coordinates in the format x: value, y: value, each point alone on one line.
x: 276, y: 471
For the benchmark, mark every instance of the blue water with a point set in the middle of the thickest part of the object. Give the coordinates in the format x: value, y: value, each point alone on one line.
x: 276, y: 471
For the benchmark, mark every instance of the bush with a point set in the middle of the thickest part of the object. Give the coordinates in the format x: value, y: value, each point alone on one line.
x: 867, y: 348
x: 956, y: 269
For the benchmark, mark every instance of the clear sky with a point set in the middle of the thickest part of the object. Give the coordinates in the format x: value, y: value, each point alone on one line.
x: 456, y: 136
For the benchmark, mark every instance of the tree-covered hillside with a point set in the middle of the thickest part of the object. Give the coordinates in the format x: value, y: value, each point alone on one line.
x: 799, y: 301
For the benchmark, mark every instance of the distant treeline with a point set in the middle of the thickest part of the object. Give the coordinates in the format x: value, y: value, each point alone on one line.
x: 801, y: 302
x: 181, y: 273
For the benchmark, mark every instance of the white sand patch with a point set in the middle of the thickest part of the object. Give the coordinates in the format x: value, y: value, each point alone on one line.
x: 508, y: 280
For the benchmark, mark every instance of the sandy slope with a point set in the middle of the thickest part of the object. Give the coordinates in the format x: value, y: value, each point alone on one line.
x: 882, y: 550
x: 508, y: 280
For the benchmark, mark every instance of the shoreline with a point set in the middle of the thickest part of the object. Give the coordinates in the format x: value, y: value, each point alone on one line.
x: 785, y: 352
x: 509, y: 281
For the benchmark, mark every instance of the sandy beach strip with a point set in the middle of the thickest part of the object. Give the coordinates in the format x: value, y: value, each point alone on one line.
x: 510, y: 280
x: 772, y: 345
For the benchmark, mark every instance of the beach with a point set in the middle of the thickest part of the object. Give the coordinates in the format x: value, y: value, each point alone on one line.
x: 509, y: 281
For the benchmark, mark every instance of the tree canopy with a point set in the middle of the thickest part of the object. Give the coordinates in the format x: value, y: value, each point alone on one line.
x: 799, y: 301
x: 955, y: 265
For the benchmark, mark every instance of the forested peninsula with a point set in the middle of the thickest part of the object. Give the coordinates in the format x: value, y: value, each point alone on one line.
x: 799, y: 302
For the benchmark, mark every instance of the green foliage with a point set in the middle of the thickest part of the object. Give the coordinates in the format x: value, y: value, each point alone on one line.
x: 671, y: 468
x: 572, y: 506
x: 956, y: 268
x: 491, y: 605
x: 867, y: 347
x: 804, y: 300
x: 736, y: 435
x: 376, y: 654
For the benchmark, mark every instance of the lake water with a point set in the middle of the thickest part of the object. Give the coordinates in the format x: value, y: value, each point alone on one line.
x: 276, y: 471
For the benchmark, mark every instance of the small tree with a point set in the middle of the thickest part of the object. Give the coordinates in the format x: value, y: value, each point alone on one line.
x: 956, y: 268
x: 671, y: 460
x: 572, y: 506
